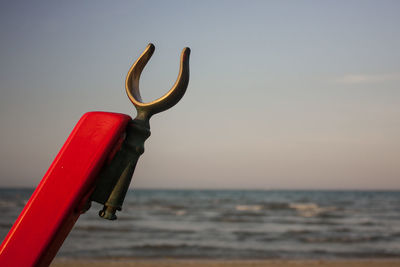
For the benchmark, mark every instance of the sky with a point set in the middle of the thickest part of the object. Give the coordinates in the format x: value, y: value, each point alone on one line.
x: 282, y: 94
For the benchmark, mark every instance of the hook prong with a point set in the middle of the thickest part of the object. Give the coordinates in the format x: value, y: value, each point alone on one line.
x: 146, y: 110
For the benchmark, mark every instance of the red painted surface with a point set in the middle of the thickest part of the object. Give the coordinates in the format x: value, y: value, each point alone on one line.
x: 55, y: 205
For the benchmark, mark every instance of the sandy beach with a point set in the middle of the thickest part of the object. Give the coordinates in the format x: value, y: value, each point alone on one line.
x: 221, y: 263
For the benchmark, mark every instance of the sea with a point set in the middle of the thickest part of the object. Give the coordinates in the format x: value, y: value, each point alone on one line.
x: 232, y: 224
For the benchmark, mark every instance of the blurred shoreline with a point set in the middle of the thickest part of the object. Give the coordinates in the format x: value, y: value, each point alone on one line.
x: 126, y: 262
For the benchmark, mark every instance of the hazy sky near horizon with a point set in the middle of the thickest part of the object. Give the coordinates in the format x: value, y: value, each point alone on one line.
x: 282, y: 94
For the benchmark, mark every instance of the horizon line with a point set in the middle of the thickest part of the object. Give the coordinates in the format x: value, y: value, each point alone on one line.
x: 235, y: 189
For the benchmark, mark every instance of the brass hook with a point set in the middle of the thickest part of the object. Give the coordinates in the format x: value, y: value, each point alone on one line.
x: 114, y: 179
x: 146, y: 110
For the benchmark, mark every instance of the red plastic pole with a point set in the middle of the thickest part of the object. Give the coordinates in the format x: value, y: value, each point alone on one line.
x: 57, y: 202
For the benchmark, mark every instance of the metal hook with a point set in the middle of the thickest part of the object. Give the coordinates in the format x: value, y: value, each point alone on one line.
x: 114, y: 179
x: 146, y: 110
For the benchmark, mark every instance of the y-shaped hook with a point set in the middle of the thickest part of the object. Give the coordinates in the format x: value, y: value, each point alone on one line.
x: 146, y: 110
x: 114, y: 179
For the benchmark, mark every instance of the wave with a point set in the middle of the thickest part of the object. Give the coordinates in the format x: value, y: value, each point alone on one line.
x: 8, y: 204
x: 238, y: 218
x: 306, y: 210
x: 310, y: 209
x: 5, y: 225
x: 249, y: 208
x: 184, y: 250
x: 263, y: 206
x: 342, y: 239
x: 97, y: 228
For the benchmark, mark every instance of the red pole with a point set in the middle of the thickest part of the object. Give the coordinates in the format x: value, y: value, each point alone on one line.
x: 61, y: 196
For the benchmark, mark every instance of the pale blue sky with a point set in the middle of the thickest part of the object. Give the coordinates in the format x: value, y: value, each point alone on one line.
x: 282, y: 94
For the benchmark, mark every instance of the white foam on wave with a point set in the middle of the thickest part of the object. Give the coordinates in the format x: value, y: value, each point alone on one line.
x: 8, y: 204
x: 309, y: 209
x: 180, y: 212
x: 249, y: 207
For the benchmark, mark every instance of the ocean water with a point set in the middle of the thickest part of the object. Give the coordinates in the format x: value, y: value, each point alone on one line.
x: 231, y: 224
